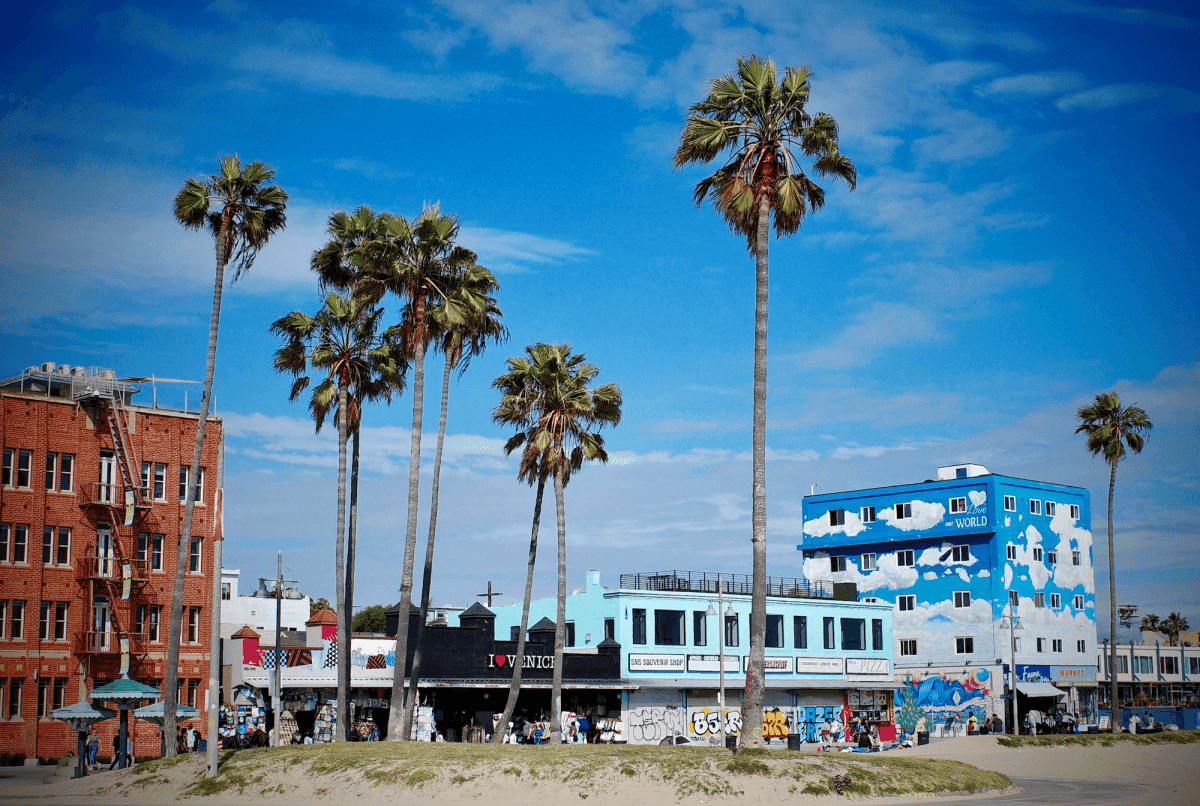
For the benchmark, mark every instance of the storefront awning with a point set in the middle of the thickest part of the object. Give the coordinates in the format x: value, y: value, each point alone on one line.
x: 1040, y: 690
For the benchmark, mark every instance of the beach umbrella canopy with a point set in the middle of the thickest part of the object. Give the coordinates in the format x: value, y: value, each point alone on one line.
x: 82, y: 715
x: 154, y: 713
x: 125, y: 691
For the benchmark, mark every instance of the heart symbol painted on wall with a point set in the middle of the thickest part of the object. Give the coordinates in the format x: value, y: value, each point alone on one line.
x: 501, y: 660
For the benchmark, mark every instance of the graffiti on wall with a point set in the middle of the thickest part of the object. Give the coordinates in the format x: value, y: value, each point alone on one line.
x: 652, y: 725
x: 812, y: 717
x: 706, y: 722
x: 942, y: 696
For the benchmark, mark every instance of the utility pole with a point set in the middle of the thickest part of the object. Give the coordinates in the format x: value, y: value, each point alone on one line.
x: 278, y: 652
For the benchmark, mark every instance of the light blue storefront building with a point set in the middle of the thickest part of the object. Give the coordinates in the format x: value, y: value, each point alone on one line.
x: 955, y: 557
x: 826, y: 651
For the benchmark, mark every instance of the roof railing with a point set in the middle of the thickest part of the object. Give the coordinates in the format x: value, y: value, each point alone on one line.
x: 736, y: 584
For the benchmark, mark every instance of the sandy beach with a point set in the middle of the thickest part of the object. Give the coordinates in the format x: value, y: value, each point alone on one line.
x: 1139, y: 774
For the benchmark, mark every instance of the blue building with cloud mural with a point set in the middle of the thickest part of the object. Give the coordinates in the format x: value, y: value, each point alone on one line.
x: 956, y: 557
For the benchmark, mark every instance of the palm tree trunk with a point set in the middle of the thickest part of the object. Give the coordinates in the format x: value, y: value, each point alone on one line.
x: 343, y: 633
x: 561, y: 621
x: 352, y: 531
x: 1112, y: 608
x: 214, y: 635
x: 414, y: 677
x: 514, y: 689
x: 171, y: 673
x: 397, y: 730
x: 752, y: 704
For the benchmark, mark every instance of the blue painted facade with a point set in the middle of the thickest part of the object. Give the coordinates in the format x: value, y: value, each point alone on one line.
x: 949, y: 555
x: 674, y: 673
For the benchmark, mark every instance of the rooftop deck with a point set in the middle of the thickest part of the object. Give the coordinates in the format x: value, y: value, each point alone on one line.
x: 735, y: 584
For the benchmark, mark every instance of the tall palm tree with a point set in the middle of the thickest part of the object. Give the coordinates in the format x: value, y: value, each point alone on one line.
x: 1110, y: 428
x: 760, y: 120
x: 465, y: 321
x: 415, y: 261
x: 546, y: 397
x: 342, y: 265
x: 344, y: 343
x: 1172, y: 625
x: 1150, y: 623
x: 241, y: 207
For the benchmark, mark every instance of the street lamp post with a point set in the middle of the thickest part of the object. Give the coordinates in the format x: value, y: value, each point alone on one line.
x: 721, y: 652
x: 1013, y: 625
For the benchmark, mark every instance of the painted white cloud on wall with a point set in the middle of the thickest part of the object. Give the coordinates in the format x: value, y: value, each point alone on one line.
x: 925, y: 515
x: 930, y: 576
x: 962, y: 573
x: 1008, y: 575
x: 933, y: 556
x: 1067, y: 575
x: 1007, y: 521
x: 886, y: 574
x: 978, y: 497
x: 984, y: 573
x: 1038, y: 571
x: 819, y: 526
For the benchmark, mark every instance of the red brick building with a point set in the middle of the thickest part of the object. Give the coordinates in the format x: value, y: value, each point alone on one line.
x: 91, y: 513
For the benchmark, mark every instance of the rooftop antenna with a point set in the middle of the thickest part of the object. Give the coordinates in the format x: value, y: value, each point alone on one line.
x: 490, y: 593
x: 1126, y: 613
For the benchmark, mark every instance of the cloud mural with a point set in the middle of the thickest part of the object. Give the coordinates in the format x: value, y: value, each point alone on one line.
x: 925, y: 515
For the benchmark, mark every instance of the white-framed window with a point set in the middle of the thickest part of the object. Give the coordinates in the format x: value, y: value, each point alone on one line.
x: 6, y: 474
x: 906, y: 602
x: 195, y: 555
x: 155, y: 616
x: 1079, y: 602
x: 1050, y: 508
x: 44, y: 621
x: 960, y: 553
x: 61, y: 610
x: 870, y: 599
x: 837, y: 517
x: 184, y: 472
x: 1010, y: 503
x: 193, y: 625
x: 62, y: 556
x: 1143, y: 664
x: 1055, y: 601
x: 1010, y: 551
x: 962, y: 598
x: 5, y: 535
x: 904, y: 511
x: 1041, y: 645
x: 47, y: 545
x: 16, y: 620
x: 1056, y: 645
x: 964, y: 645
x: 958, y: 505
x: 908, y: 646
x: 227, y: 593
x: 1052, y: 557
x: 1035, y: 506
x: 868, y: 562
x: 160, y: 481
x: 1076, y: 557
x: 1014, y: 599
x: 24, y: 469
x: 1039, y: 599
x: 1168, y: 664
x: 867, y: 514
x: 906, y: 558
x: 15, y: 685
x: 1074, y: 511
x: 1081, y: 646
x: 156, y: 552
x: 146, y: 469
x: 3, y: 618
x: 66, y: 472
x: 1037, y: 554
x: 20, y: 543
x: 51, y: 469
x: 837, y: 562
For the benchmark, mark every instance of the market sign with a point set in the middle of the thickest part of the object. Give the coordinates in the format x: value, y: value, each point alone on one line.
x: 657, y: 663
x: 869, y: 666
x: 1073, y: 675
x: 709, y: 663
x: 819, y: 665
x: 773, y: 663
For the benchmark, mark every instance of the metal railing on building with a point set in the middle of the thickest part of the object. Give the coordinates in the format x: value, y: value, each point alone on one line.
x: 736, y: 584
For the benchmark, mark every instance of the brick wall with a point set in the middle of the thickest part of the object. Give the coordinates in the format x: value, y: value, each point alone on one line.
x: 44, y: 425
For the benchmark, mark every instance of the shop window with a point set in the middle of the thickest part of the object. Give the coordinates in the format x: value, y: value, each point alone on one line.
x: 837, y: 563
x: 732, y: 633
x: 800, y: 632
x: 610, y: 629
x: 774, y: 632
x: 830, y: 638
x: 699, y: 628
x: 639, y: 626
x: 906, y: 602
x: 668, y: 628
x: 837, y: 517
x: 964, y: 645
x: 877, y: 634
x: 867, y: 514
x: 193, y: 685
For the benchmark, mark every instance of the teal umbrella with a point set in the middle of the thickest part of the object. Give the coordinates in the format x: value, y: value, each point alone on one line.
x: 81, y: 716
x: 125, y: 693
x: 155, y: 713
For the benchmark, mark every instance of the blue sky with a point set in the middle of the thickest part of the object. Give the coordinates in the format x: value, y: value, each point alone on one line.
x: 1022, y: 237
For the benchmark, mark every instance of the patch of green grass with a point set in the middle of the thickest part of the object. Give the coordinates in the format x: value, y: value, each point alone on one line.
x: 416, y: 778
x: 461, y: 779
x: 745, y: 764
x: 517, y: 771
x: 1102, y: 739
x: 628, y: 770
x: 813, y: 788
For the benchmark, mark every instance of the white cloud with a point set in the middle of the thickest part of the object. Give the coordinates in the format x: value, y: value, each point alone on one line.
x: 978, y: 497
x: 1067, y: 575
x: 1180, y: 101
x: 1033, y: 84
x: 925, y: 515
x: 508, y: 251
x: 886, y: 574
x: 820, y: 526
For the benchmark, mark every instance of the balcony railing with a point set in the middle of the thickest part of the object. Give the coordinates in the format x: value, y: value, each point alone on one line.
x: 113, y: 495
x: 114, y: 568
x: 108, y: 642
x: 738, y: 584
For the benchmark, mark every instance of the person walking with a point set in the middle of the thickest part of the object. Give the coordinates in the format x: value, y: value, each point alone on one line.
x: 93, y: 747
x: 116, y: 744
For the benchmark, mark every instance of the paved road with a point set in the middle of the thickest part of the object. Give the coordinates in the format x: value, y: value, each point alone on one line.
x: 1076, y: 793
